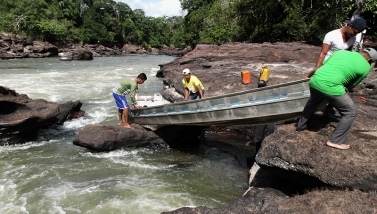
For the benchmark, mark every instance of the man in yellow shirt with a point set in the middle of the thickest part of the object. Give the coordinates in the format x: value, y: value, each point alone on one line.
x: 193, y: 87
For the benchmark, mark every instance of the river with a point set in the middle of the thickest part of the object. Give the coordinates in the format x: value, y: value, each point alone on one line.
x: 51, y: 175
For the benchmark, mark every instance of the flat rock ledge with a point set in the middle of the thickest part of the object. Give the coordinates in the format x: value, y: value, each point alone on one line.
x: 219, y: 67
x: 259, y: 200
x: 102, y: 137
x: 304, y: 158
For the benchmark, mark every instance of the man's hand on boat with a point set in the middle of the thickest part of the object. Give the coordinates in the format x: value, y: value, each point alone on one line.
x: 136, y: 107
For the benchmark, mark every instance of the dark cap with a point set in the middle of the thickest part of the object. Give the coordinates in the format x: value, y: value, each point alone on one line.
x: 358, y: 23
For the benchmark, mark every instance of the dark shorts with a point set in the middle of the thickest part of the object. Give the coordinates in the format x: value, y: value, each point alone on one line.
x: 194, y: 96
x: 121, y: 101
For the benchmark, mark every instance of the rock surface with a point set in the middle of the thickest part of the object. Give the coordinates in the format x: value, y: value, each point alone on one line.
x: 68, y: 111
x: 22, y: 117
x: 304, y: 157
x: 258, y: 200
x: 101, y: 137
x: 15, y: 47
x: 219, y: 67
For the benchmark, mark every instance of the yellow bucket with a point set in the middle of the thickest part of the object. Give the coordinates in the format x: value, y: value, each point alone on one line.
x: 264, y: 74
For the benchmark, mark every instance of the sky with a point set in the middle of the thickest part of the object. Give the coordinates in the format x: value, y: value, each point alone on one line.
x: 156, y: 8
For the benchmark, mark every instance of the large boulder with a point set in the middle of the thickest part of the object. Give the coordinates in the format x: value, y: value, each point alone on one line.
x: 102, y: 137
x: 44, y: 47
x: 219, y: 67
x: 22, y: 117
x: 82, y: 54
x: 304, y: 157
x: 133, y: 49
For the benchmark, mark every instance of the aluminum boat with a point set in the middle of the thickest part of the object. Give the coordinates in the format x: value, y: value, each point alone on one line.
x: 274, y: 103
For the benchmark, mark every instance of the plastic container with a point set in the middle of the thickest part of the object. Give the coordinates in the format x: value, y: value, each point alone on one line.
x: 264, y: 74
x: 246, y: 77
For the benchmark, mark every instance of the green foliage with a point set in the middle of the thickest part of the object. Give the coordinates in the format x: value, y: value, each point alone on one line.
x: 111, y: 22
x: 220, y: 24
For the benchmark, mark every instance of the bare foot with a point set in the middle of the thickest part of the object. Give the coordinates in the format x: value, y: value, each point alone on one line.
x: 120, y: 123
x: 338, y: 146
x: 128, y: 126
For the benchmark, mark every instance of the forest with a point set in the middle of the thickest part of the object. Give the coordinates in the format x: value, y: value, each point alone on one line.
x: 204, y: 21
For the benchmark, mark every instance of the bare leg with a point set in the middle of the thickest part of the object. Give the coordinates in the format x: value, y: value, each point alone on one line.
x: 125, y: 114
x: 120, y: 116
x: 338, y: 146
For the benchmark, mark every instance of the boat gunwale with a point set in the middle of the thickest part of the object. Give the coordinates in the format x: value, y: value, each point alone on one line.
x: 166, y: 114
x: 226, y: 95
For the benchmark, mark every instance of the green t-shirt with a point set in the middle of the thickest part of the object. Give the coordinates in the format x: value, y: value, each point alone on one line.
x: 128, y: 86
x: 342, y: 69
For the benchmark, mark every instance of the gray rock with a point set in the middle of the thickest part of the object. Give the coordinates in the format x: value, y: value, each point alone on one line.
x: 101, y: 137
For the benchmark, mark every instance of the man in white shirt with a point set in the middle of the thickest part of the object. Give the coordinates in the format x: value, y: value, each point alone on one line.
x: 339, y: 39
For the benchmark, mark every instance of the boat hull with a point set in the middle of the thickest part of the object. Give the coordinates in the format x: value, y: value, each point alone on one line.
x: 256, y: 106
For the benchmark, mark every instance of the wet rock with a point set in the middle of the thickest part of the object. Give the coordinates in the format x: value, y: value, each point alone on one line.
x: 111, y: 137
x: 259, y: 200
x: 68, y: 111
x: 22, y: 117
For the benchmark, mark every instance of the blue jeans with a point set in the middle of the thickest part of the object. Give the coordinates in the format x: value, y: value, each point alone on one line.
x: 194, y: 96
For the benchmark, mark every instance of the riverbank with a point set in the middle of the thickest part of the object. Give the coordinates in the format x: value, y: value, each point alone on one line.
x: 12, y: 47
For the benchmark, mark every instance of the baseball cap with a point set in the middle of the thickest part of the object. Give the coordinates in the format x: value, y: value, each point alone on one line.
x: 358, y: 23
x: 186, y: 71
x: 372, y: 53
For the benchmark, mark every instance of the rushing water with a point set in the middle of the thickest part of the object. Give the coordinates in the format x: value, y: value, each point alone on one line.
x: 51, y: 175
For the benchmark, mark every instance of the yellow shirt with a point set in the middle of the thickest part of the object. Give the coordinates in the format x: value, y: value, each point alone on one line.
x: 192, y: 85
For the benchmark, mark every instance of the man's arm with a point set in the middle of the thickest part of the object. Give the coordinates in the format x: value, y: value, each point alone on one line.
x: 322, y: 55
x: 321, y: 58
x: 133, y: 94
x: 200, y: 91
x: 186, y: 94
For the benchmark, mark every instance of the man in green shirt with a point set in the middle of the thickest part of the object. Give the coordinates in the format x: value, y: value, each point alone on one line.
x: 344, y: 69
x: 127, y: 86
